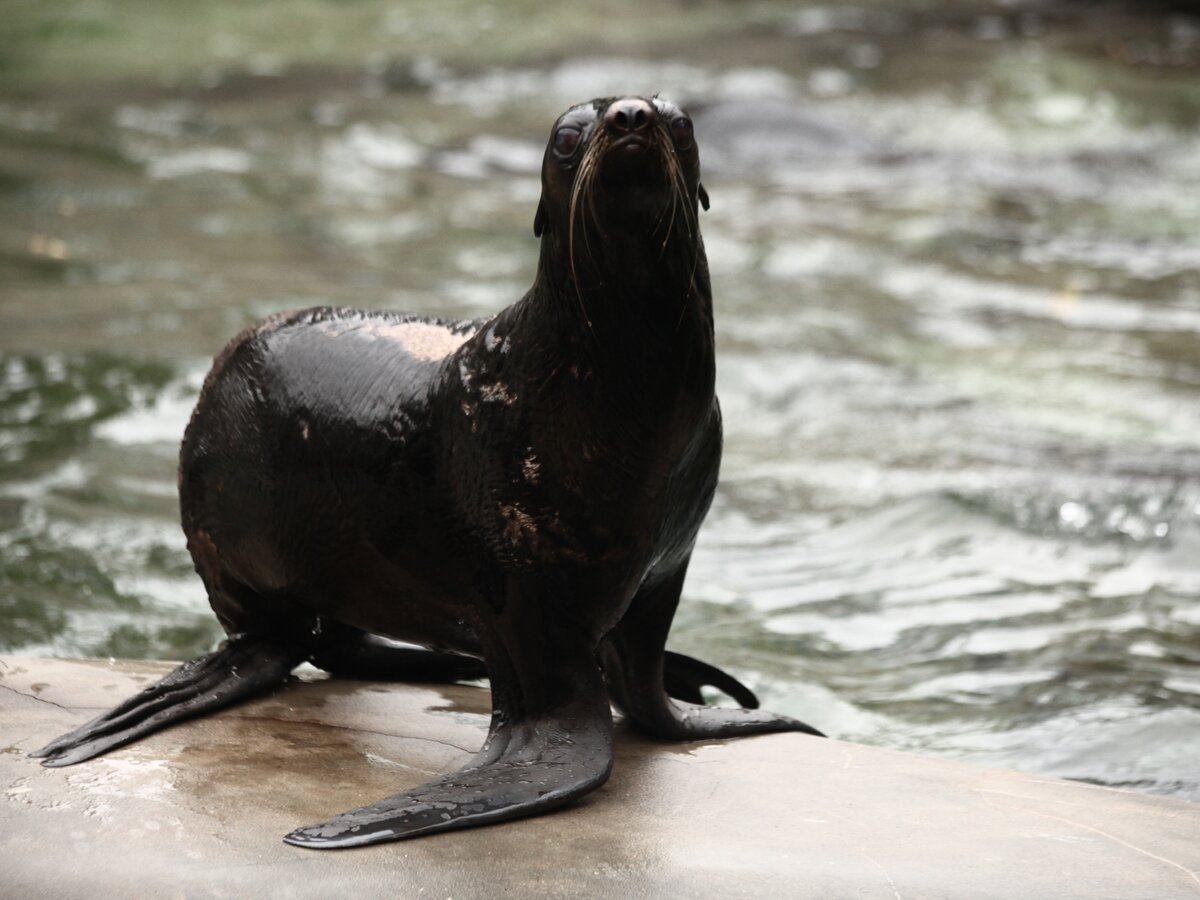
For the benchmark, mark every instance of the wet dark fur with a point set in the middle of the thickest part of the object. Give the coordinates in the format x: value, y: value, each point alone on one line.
x: 525, y: 490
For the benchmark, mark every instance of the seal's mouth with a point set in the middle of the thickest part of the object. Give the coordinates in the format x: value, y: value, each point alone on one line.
x: 634, y: 160
x: 630, y: 145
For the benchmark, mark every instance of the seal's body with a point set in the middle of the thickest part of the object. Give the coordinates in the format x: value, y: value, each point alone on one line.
x: 523, y: 490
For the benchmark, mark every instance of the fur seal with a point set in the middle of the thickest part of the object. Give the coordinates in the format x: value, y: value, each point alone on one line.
x: 523, y: 490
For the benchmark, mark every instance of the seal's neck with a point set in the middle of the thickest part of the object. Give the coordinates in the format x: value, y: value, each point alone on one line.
x: 627, y: 292
x: 629, y: 334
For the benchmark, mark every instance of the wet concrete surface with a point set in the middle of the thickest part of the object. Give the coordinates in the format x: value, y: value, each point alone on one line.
x: 198, y: 811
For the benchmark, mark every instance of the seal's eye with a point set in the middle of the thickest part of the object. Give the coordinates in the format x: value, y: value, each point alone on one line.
x: 681, y: 130
x: 566, y: 139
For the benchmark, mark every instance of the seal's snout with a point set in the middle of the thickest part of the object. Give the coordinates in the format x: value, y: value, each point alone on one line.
x: 633, y: 115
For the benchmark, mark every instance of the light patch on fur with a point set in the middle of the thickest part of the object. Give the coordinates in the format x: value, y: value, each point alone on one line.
x: 427, y: 341
x: 519, y: 526
x: 497, y: 392
x: 531, y: 468
x: 424, y: 340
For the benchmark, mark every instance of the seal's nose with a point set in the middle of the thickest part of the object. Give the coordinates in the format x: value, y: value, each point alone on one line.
x: 629, y: 115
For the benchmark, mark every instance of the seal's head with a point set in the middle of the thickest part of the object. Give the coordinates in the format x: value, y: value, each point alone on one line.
x: 624, y: 165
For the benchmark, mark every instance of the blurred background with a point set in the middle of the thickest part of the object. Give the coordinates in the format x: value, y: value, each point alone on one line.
x: 956, y: 256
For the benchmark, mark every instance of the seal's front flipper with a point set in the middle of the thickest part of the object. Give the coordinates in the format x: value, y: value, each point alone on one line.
x: 535, y: 779
x: 550, y: 740
x: 242, y: 666
x: 684, y: 676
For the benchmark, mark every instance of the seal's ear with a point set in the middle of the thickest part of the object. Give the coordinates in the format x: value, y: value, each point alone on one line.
x: 703, y: 198
x: 539, y: 219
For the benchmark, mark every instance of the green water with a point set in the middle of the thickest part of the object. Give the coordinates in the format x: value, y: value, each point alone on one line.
x: 956, y: 256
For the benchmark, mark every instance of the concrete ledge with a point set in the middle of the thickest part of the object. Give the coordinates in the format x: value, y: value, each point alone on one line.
x: 199, y: 810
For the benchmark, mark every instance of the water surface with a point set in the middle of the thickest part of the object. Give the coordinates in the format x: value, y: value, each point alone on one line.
x: 956, y: 259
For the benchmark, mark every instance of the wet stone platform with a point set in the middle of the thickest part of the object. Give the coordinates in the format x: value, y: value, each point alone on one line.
x: 199, y: 810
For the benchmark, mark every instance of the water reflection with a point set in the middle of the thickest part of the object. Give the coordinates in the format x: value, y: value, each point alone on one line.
x: 956, y: 257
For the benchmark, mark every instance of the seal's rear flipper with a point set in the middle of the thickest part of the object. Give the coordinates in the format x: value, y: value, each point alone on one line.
x: 348, y: 652
x: 683, y: 676
x: 241, y: 667
x: 636, y: 664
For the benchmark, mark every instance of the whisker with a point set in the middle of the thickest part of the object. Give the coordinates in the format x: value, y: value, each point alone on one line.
x: 580, y: 203
x: 674, y: 176
x: 584, y: 222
